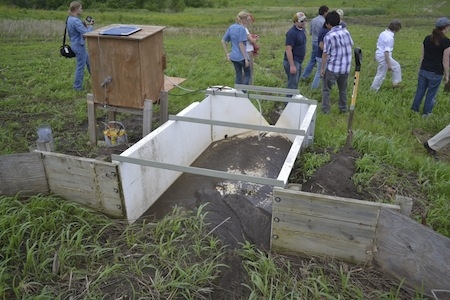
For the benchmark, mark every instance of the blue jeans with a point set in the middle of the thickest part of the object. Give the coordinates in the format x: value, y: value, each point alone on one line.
x: 82, y: 59
x: 240, y: 68
x: 292, y: 78
x: 312, y: 61
x: 316, y: 81
x: 426, y: 81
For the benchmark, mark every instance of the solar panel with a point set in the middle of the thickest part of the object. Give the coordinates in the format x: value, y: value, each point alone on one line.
x: 120, y: 30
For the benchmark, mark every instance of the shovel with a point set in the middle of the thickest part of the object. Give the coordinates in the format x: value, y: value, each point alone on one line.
x: 358, y: 58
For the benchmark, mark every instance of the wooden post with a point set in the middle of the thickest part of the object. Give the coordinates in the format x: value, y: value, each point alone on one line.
x: 163, y: 107
x: 111, y: 115
x: 45, y: 146
x: 92, y: 124
x: 405, y: 204
x: 147, y: 117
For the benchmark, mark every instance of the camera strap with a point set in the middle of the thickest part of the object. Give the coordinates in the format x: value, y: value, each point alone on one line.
x: 65, y: 32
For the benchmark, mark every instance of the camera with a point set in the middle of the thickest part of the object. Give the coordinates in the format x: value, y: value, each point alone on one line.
x: 89, y: 19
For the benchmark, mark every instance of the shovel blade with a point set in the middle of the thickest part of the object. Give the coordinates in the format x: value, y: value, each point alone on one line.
x: 349, y: 141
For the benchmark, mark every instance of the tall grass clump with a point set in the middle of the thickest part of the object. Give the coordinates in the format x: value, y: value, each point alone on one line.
x: 281, y: 277
x: 53, y: 249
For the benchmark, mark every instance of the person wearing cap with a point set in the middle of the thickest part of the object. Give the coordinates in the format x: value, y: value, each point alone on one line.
x: 295, y: 50
x: 315, y: 26
x: 383, y: 55
x: 336, y: 62
x: 438, y: 141
x: 341, y: 15
x: 237, y: 36
x: 434, y: 65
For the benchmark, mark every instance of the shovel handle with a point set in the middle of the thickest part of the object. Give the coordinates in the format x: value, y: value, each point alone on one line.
x: 358, y: 59
x: 355, y: 91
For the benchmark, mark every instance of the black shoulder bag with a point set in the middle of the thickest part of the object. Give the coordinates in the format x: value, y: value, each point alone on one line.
x: 65, y: 50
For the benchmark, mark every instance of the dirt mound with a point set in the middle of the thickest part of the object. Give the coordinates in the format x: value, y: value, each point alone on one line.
x: 335, y: 177
x: 234, y: 219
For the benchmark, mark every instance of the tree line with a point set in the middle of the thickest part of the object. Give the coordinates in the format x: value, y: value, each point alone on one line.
x: 151, y: 5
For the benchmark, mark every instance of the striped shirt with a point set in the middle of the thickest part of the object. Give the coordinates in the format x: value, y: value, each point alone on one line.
x: 338, y: 45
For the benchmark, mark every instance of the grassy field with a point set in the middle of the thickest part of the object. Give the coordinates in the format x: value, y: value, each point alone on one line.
x: 40, y: 259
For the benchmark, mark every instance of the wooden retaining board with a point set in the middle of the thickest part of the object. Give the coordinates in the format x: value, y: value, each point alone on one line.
x: 412, y: 252
x: 22, y: 174
x: 93, y: 183
x: 322, y: 225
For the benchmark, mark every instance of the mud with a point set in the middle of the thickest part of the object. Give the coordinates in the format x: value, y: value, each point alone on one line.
x: 248, y: 155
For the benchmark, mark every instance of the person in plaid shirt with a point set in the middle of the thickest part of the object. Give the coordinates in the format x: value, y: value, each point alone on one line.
x: 336, y: 62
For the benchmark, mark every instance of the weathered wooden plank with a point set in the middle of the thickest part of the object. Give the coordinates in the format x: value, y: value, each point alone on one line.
x: 292, y: 242
x: 22, y: 173
x: 325, y: 228
x: 297, y: 203
x: 109, y: 190
x: 319, y: 236
x: 69, y: 176
x: 58, y: 179
x: 89, y: 182
x: 408, y: 250
x: 323, y: 225
x: 66, y: 164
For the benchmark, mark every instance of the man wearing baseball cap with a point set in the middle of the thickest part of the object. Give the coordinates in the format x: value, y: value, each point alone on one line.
x: 295, y: 50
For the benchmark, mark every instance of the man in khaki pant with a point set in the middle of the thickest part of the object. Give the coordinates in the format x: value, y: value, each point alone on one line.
x: 439, y: 141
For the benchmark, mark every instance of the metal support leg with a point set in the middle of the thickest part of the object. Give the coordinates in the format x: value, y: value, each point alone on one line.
x: 163, y: 107
x: 92, y: 124
x: 147, y: 117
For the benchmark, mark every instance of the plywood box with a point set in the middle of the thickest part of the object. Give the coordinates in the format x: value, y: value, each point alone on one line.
x: 126, y: 70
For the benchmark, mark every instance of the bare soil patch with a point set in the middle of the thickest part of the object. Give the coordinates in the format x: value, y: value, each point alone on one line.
x: 333, y: 178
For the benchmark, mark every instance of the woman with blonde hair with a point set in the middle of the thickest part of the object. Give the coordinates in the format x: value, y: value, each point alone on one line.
x: 236, y: 35
x: 251, y: 45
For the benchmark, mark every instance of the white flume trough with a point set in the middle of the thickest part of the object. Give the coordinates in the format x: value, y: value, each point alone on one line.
x: 152, y: 165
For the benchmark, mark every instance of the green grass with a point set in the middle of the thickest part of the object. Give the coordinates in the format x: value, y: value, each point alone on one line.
x: 52, y: 249
x: 44, y: 240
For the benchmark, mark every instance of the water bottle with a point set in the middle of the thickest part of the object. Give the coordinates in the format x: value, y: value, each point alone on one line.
x: 45, y: 133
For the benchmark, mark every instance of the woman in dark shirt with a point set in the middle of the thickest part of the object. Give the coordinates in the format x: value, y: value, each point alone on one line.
x: 434, y: 66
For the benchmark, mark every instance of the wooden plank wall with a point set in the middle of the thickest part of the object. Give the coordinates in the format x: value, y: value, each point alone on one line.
x: 411, y: 251
x: 93, y: 183
x: 135, y: 64
x: 22, y: 173
x: 321, y: 225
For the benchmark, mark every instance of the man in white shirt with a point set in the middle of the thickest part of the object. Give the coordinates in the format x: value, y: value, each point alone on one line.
x: 383, y: 55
